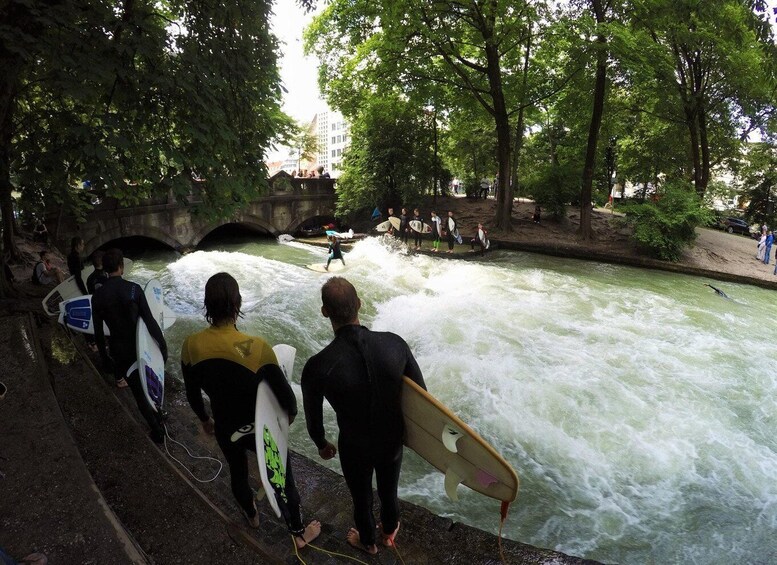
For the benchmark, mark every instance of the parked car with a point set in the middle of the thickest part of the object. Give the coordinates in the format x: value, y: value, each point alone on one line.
x: 734, y: 225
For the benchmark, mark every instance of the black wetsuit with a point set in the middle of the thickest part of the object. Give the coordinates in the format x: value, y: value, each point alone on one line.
x: 403, y: 227
x: 119, y: 303
x: 417, y: 234
x: 450, y: 225
x: 75, y: 265
x: 360, y: 374
x: 229, y: 365
x: 335, y: 252
x: 95, y: 280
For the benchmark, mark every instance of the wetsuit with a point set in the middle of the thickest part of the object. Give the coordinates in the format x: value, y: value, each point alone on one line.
x: 417, y: 234
x: 451, y: 232
x: 403, y: 227
x: 436, y: 232
x: 335, y: 252
x: 75, y: 265
x: 95, y: 280
x: 360, y: 374
x: 229, y: 365
x: 119, y: 303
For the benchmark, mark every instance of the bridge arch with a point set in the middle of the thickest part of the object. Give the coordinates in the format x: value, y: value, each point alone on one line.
x: 249, y: 221
x: 118, y: 233
x: 301, y: 220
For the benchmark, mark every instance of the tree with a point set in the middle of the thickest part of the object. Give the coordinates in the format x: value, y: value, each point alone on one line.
x: 137, y: 98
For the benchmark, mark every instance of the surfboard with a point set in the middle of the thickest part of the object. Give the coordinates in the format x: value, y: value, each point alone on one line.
x: 272, y: 440
x: 151, y: 364
x: 334, y: 267
x: 396, y: 222
x: 69, y: 289
x: 383, y: 226
x: 76, y: 314
x: 419, y: 226
x: 452, y: 447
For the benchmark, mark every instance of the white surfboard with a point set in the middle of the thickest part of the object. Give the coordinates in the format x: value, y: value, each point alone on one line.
x: 68, y: 289
x: 383, y: 226
x: 450, y: 445
x: 419, y: 226
x: 396, y: 222
x: 76, y: 314
x: 151, y: 364
x: 335, y: 266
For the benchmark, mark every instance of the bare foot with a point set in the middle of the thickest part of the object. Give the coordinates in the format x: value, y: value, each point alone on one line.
x: 354, y: 540
x: 388, y: 539
x: 311, y: 532
x: 121, y: 383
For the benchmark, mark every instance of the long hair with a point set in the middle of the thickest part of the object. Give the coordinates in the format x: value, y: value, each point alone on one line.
x: 222, y: 299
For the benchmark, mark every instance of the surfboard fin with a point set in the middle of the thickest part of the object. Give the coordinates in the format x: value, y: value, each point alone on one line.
x: 133, y: 367
x: 452, y: 480
x: 450, y: 436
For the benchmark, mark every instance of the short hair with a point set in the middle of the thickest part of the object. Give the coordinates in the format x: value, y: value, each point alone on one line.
x: 74, y: 243
x: 97, y: 257
x: 222, y: 299
x: 340, y: 300
x: 43, y: 253
x: 320, y: 168
x: 112, y: 260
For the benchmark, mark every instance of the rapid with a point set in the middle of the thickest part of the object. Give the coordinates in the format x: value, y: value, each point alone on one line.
x: 637, y: 407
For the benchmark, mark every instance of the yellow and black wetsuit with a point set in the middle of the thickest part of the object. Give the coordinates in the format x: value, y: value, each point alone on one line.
x: 228, y: 366
x: 360, y: 374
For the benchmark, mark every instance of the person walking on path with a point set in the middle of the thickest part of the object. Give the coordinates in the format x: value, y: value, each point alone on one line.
x: 768, y: 246
x: 360, y: 374
x: 119, y: 303
x: 228, y: 366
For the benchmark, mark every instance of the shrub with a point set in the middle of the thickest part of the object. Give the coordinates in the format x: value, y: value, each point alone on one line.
x: 667, y: 224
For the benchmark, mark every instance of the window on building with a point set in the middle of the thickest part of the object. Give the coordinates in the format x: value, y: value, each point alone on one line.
x: 334, y: 127
x: 339, y: 152
x: 333, y: 153
x: 333, y: 139
x: 339, y: 139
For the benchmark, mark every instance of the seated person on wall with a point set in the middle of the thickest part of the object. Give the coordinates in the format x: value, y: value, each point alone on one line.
x: 45, y: 273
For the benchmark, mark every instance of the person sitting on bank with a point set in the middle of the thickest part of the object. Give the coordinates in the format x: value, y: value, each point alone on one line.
x: 228, y: 366
x: 334, y: 250
x: 45, y: 273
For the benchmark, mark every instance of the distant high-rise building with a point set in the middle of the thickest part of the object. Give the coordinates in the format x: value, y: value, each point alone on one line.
x: 333, y: 139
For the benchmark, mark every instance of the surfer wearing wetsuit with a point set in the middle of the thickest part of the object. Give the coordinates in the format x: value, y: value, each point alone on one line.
x: 75, y: 264
x: 436, y: 231
x: 403, y: 226
x: 452, y: 232
x: 334, y: 251
x: 417, y: 233
x: 119, y: 303
x: 360, y: 374
x: 228, y: 365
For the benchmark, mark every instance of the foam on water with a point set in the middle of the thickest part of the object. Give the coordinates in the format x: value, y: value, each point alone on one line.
x: 637, y: 407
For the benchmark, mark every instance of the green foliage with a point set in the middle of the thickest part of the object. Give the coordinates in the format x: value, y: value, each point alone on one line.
x: 759, y: 178
x: 553, y: 187
x: 666, y: 225
x: 390, y: 160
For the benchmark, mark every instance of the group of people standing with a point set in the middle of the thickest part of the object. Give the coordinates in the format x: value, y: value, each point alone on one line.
x: 359, y: 373
x: 764, y: 248
x: 441, y: 228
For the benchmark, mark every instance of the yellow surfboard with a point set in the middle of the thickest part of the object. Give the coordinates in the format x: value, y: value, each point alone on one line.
x: 455, y: 449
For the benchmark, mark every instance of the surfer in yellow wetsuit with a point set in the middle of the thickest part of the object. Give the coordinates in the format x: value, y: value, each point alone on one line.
x: 360, y: 374
x: 228, y: 365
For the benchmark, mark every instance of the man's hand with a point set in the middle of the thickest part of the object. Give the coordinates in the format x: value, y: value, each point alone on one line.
x: 328, y: 451
x: 208, y: 427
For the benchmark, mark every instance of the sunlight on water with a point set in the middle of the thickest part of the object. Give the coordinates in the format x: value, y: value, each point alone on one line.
x: 637, y: 407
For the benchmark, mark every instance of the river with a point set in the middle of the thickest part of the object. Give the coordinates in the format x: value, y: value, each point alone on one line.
x: 637, y: 407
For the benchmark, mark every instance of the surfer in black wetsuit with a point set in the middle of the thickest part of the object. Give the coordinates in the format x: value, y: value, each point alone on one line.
x: 717, y: 291
x: 334, y: 251
x: 360, y: 374
x: 75, y: 264
x: 119, y: 303
x: 228, y: 365
x: 404, y: 228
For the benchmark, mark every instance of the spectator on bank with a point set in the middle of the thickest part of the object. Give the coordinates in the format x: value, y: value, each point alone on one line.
x: 44, y: 273
x: 761, y: 247
x: 768, y: 246
x: 536, y: 216
x: 321, y: 173
x: 40, y: 233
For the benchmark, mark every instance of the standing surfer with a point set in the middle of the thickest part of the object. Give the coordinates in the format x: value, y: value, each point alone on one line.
x: 360, y: 374
x: 228, y: 365
x: 119, y: 304
x: 75, y: 264
x: 334, y: 251
x: 453, y: 233
x: 417, y: 233
x: 404, y: 228
x: 436, y: 231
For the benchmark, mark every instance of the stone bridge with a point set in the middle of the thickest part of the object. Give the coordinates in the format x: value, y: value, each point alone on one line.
x: 290, y: 205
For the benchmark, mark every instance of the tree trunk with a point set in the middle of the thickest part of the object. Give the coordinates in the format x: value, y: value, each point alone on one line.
x: 518, y: 143
x: 585, y: 231
x: 704, y: 177
x: 6, y: 201
x: 436, y: 174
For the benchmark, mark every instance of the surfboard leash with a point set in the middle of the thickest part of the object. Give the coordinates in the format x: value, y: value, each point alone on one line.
x: 221, y: 465
x: 326, y: 551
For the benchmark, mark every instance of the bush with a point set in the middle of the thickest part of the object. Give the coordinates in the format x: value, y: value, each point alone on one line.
x: 666, y: 225
x: 553, y: 187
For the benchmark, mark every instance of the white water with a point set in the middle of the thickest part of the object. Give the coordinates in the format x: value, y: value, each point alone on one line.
x: 637, y: 407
